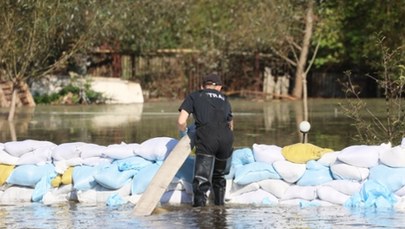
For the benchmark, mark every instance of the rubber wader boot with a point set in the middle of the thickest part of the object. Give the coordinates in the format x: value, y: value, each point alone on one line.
x: 202, y: 178
x: 218, y: 181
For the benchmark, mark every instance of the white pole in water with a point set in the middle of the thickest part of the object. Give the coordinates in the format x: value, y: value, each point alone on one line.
x: 305, y: 126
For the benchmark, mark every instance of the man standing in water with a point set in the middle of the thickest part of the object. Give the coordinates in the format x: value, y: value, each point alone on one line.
x: 212, y: 114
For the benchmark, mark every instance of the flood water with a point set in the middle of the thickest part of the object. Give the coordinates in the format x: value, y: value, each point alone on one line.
x: 255, y: 122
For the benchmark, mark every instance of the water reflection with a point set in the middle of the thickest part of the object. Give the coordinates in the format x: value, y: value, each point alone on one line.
x: 275, y: 122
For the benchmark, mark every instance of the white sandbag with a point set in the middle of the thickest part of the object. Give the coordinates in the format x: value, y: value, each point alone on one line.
x: 329, y: 159
x: 62, y: 165
x: 347, y: 187
x: 1, y: 146
x: 176, y: 197
x: 331, y: 195
x: 103, y: 194
x: 289, y: 171
x: 342, y: 171
x: 275, y: 187
x: 365, y: 156
x: 237, y: 189
x: 91, y: 150
x: 395, y: 157
x: 300, y: 192
x: 157, y: 149
x: 400, y: 192
x: 95, y: 161
x: 57, y: 195
x: 119, y: 151
x: 180, y: 185
x: 19, y: 148
x: 16, y: 194
x: 38, y: 156
x: 88, y: 197
x: 7, y: 159
x: 136, y: 147
x: 267, y: 153
x: 66, y: 151
x: 259, y: 197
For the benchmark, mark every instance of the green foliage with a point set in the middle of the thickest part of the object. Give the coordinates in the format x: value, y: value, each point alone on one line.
x: 391, y: 81
x: 75, y: 93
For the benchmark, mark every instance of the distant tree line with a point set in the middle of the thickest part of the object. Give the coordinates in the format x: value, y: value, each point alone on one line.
x: 41, y: 36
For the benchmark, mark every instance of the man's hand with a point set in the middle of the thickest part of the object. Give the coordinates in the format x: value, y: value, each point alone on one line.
x: 183, y: 133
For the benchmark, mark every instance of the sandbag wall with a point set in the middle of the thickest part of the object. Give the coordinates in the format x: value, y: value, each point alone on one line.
x: 299, y: 174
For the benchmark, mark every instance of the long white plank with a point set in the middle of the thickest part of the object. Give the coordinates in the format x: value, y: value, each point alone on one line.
x: 151, y: 197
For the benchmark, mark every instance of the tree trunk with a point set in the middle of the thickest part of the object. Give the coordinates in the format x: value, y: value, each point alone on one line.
x: 11, y: 113
x: 300, y: 72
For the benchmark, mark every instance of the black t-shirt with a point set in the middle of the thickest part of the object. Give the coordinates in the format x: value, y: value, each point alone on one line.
x: 208, y: 106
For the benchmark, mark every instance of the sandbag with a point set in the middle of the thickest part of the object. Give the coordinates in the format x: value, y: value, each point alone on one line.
x: 157, y: 149
x: 119, y: 151
x: 275, y: 187
x: 91, y: 150
x: 132, y: 163
x: 237, y: 189
x: 6, y: 158
x: 112, y: 178
x: 347, y: 187
x: 303, y: 152
x: 83, y: 177
x: 38, y: 156
x: 256, y: 197
x: 300, y: 192
x: 5, y: 171
x: 19, y: 148
x: 16, y: 194
x: 315, y: 174
x: 142, y: 179
x: 255, y: 172
x: 342, y: 171
x: 289, y: 171
x: 97, y: 161
x: 392, y: 178
x: 394, y: 157
x: 66, y: 151
x: 29, y: 175
x: 331, y: 195
x: 328, y: 159
x: 365, y: 156
x: 267, y: 153
x: 242, y: 157
x: 176, y: 197
x: 372, y: 195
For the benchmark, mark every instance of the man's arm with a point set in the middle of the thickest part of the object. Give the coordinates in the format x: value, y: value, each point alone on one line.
x: 182, y: 120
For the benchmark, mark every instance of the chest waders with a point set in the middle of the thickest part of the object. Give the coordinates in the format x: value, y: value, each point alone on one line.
x: 213, y: 148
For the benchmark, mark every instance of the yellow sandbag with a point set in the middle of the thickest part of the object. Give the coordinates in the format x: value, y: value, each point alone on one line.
x: 5, y: 171
x: 301, y: 153
x: 67, y: 176
x: 57, y: 181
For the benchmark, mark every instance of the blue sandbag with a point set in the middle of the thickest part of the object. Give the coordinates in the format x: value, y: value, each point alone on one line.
x: 186, y: 171
x: 135, y: 162
x: 255, y: 172
x: 112, y: 178
x: 29, y: 175
x: 315, y: 174
x: 42, y: 187
x: 83, y: 177
x: 392, y: 178
x: 372, y: 194
x: 142, y: 179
